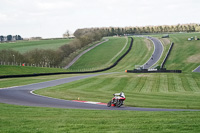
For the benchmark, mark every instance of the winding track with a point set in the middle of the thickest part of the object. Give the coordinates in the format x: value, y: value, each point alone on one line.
x: 158, y: 50
x: 22, y: 95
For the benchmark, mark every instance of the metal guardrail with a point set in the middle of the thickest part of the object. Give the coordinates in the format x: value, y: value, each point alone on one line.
x: 164, y: 61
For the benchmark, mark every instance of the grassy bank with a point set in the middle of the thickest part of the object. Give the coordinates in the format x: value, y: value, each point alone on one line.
x: 35, y: 120
x: 101, y: 56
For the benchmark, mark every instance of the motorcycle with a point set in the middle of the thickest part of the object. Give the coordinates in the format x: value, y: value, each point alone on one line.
x: 117, y: 100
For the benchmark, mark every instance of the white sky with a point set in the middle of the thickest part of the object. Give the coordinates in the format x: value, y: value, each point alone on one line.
x: 51, y: 18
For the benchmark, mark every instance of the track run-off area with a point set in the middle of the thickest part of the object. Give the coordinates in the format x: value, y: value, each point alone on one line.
x: 24, y: 95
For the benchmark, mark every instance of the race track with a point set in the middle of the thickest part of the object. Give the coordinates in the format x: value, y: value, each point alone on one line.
x: 23, y: 95
x: 158, y: 50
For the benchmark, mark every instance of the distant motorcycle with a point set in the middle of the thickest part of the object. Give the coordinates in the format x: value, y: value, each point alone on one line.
x: 117, y: 100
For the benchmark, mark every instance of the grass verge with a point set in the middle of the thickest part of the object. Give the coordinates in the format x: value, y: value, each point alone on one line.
x: 35, y: 120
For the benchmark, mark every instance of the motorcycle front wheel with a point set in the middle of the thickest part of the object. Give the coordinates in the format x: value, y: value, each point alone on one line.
x: 119, y: 103
x: 109, y: 104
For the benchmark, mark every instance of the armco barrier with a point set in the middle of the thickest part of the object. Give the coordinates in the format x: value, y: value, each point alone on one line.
x: 158, y: 71
x: 101, y: 70
x: 164, y: 61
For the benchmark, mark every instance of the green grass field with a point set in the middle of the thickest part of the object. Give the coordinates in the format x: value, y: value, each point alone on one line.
x: 39, y: 120
x: 101, y: 56
x: 24, y: 46
x: 142, y: 90
x: 185, y: 54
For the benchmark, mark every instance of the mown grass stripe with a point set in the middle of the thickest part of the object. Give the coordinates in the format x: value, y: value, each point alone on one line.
x: 155, y: 87
x: 147, y: 85
x: 178, y: 83
x: 163, y: 83
x: 170, y: 78
x: 142, y: 83
x: 185, y: 83
x: 196, y: 77
x: 192, y: 83
x: 92, y: 86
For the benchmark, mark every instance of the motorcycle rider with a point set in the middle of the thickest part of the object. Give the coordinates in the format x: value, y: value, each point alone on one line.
x: 118, y: 95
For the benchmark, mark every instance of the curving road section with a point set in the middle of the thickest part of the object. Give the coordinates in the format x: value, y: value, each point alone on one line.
x: 22, y: 95
x: 158, y: 50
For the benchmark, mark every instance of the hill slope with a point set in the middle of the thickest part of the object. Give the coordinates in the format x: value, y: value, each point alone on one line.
x: 102, y: 55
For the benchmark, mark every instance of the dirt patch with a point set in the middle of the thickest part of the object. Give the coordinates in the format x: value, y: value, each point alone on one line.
x: 165, y: 41
x: 194, y: 58
x: 148, y: 44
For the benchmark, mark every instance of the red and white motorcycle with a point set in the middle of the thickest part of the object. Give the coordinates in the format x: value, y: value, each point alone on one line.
x: 117, y: 100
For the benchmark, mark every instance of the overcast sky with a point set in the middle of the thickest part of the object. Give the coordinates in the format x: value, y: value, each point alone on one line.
x: 51, y: 18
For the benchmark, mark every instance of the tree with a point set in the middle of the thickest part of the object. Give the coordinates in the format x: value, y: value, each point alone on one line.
x: 1, y: 38
x: 67, y: 34
x: 19, y: 37
x: 197, y: 28
x: 9, y: 38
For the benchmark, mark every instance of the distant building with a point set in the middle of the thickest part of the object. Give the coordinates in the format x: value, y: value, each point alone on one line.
x: 3, y: 39
x: 35, y: 38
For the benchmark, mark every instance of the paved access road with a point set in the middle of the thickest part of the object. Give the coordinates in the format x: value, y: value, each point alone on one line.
x: 158, y: 50
x: 22, y: 95
x: 197, y: 69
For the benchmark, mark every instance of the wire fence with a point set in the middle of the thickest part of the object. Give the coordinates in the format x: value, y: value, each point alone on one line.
x: 28, y: 64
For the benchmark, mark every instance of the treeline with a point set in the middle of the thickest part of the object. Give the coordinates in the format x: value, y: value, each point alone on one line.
x: 48, y: 58
x: 111, y: 31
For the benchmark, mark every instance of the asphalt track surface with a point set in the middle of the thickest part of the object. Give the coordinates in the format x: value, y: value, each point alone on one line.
x: 158, y: 50
x: 197, y: 69
x: 23, y: 95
